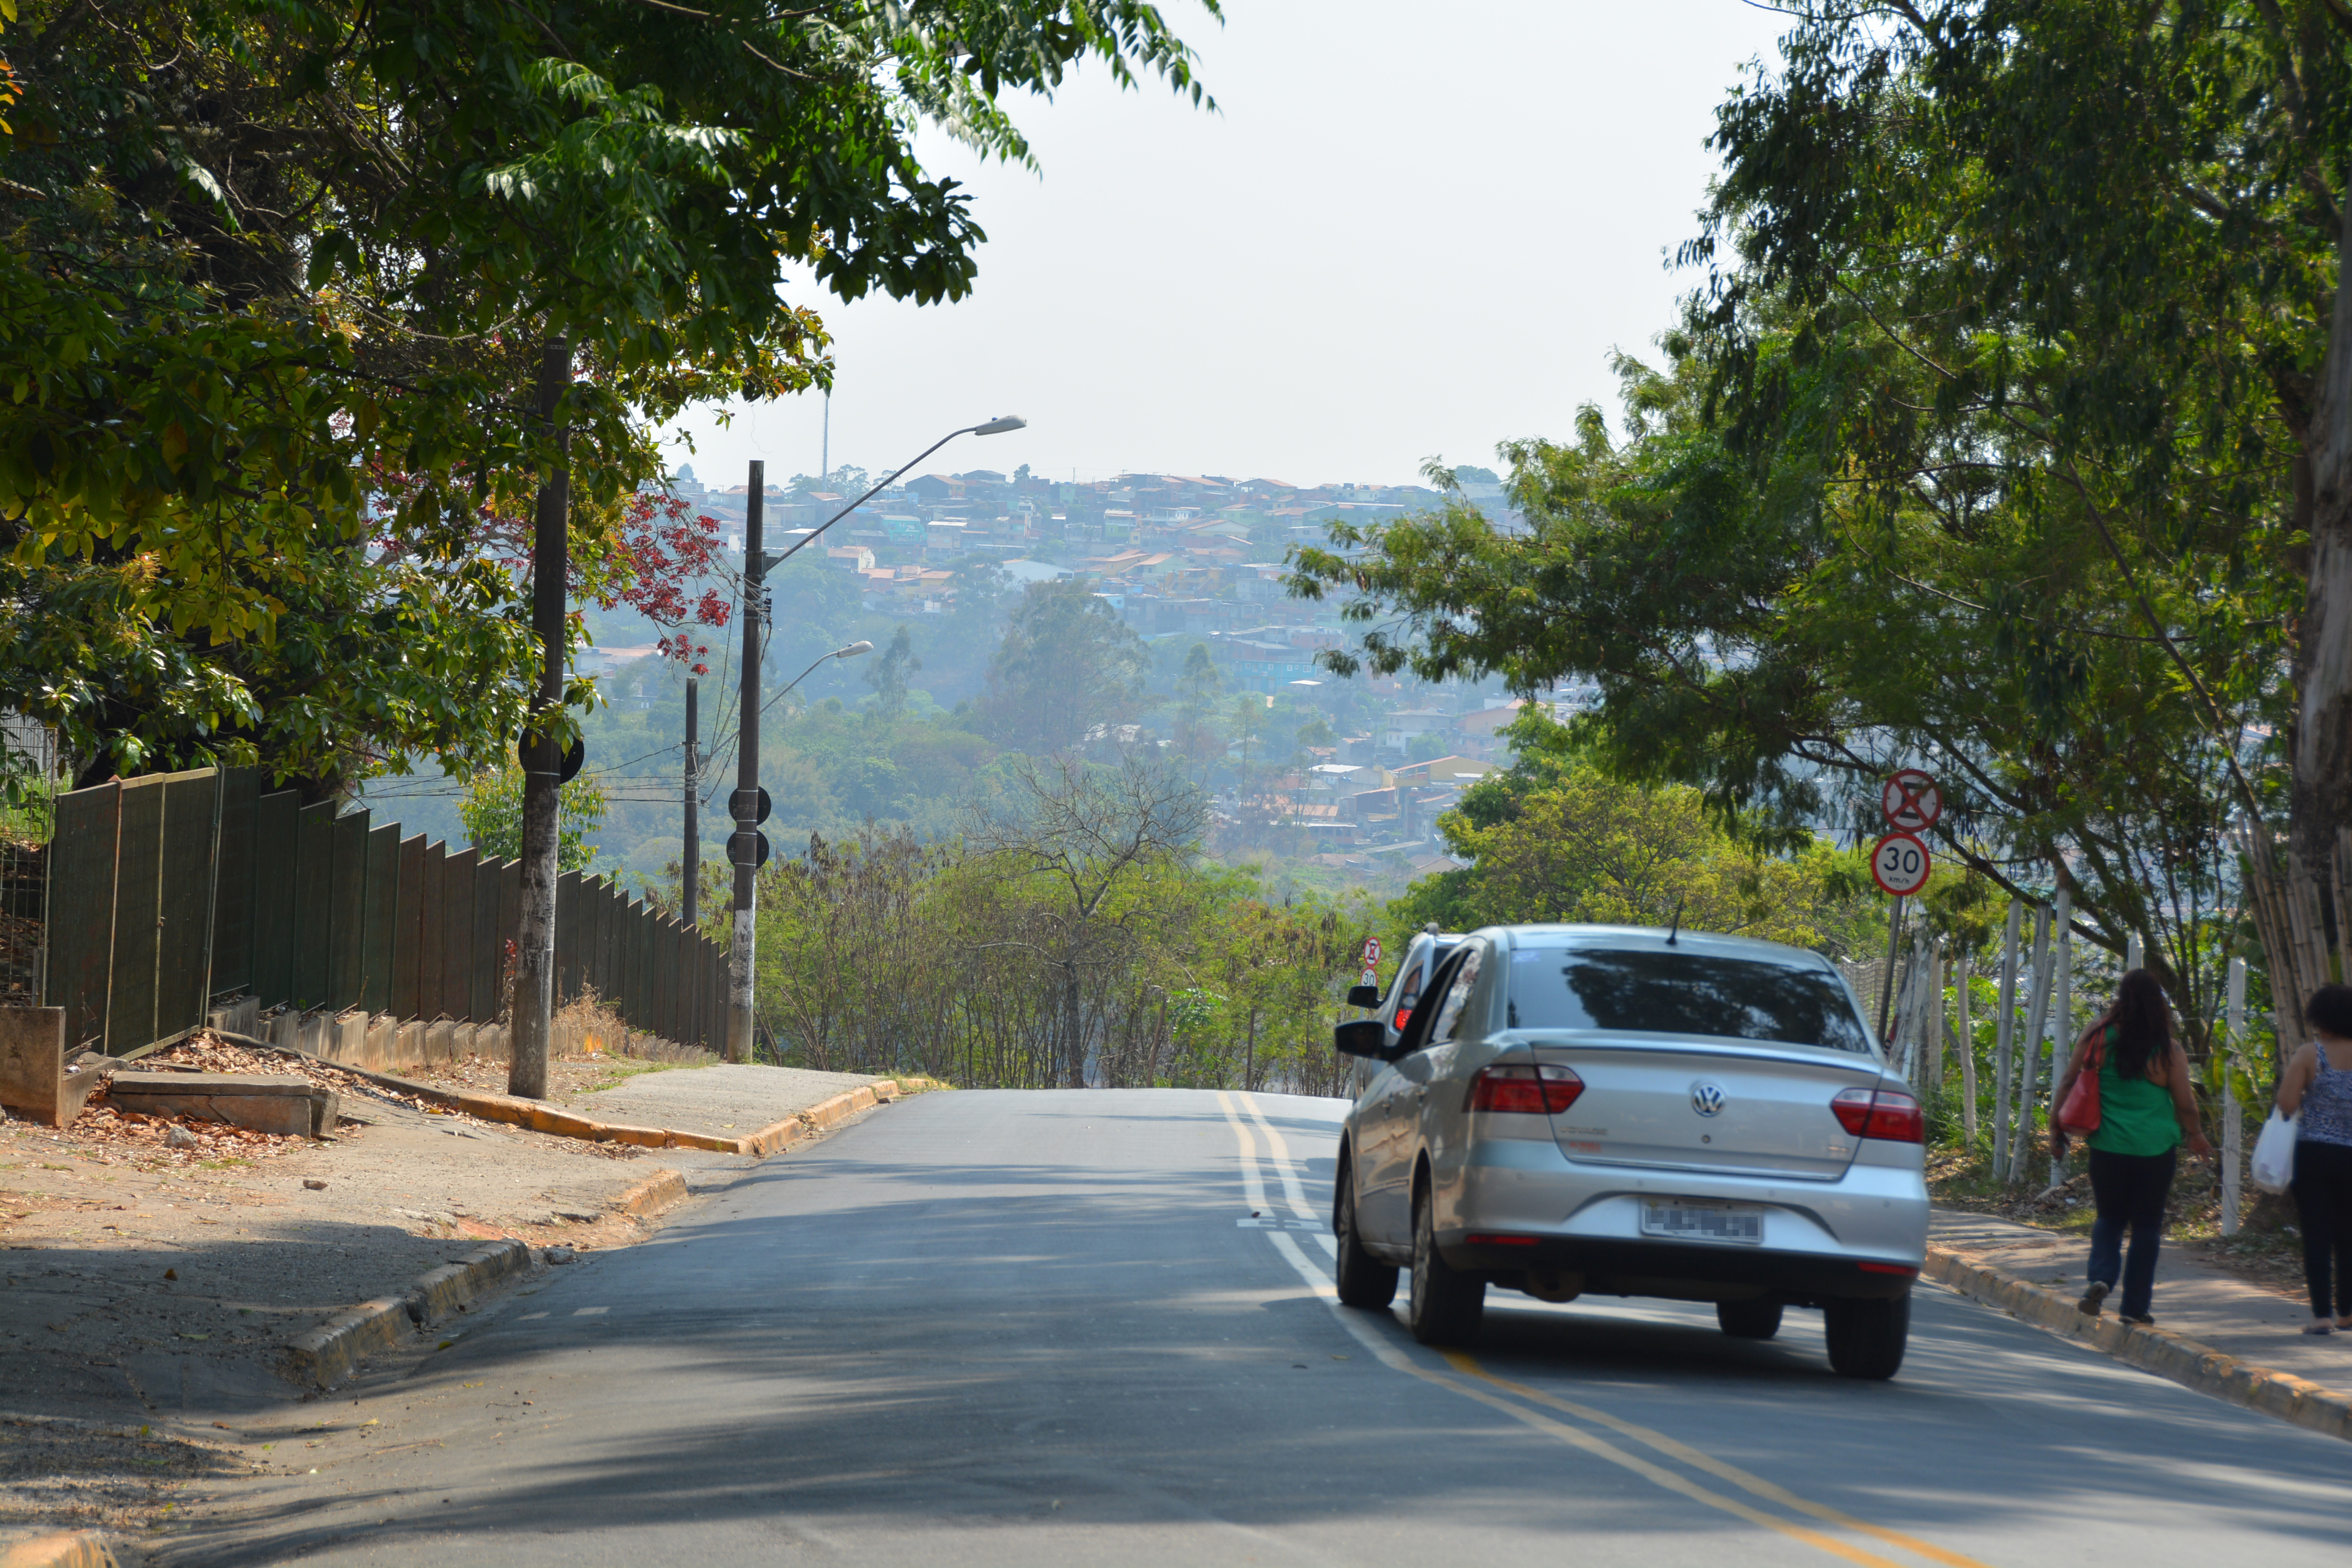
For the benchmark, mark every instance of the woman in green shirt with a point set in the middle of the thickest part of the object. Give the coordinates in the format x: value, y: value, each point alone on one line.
x: 2145, y: 1113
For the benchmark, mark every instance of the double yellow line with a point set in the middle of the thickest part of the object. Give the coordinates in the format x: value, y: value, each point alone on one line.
x: 1472, y: 1381
x: 1675, y: 1448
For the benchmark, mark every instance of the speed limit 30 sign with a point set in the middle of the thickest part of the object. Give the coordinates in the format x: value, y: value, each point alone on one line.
x: 1900, y: 864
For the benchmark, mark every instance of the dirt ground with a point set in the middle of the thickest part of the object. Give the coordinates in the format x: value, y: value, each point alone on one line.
x: 150, y: 1271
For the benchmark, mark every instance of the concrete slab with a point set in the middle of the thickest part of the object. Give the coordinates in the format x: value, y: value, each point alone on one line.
x: 285, y: 1104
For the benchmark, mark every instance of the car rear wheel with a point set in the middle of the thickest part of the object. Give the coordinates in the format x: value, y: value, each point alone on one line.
x: 1364, y: 1281
x: 1445, y: 1305
x: 1866, y: 1337
x: 1759, y: 1319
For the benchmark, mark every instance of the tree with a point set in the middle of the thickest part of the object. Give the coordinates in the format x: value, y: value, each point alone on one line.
x: 1196, y: 737
x: 2115, y: 234
x: 1067, y: 667
x: 1780, y: 611
x: 1086, y: 836
x: 267, y: 259
x: 1559, y: 840
x: 491, y: 810
x: 887, y: 674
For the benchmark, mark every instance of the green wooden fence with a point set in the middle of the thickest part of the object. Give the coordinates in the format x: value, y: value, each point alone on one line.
x: 169, y: 892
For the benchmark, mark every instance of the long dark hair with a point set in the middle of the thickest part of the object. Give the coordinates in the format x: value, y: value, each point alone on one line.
x: 2143, y: 1024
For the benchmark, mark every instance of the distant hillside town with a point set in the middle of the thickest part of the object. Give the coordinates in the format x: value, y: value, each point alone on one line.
x: 1197, y: 558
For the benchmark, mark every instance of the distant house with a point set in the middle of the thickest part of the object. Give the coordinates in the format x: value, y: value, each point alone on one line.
x: 851, y: 558
x: 936, y: 489
x: 1441, y: 771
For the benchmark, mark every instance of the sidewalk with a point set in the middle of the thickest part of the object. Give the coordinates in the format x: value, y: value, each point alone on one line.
x: 2252, y: 1322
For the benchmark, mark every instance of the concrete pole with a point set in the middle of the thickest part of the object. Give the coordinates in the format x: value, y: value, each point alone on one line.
x: 2134, y: 957
x: 690, y: 861
x: 1931, y: 1074
x: 2230, y: 1116
x: 543, y: 753
x: 740, y: 955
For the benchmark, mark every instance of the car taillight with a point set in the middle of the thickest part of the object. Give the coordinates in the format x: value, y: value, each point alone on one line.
x: 1404, y: 1016
x: 1536, y: 1091
x: 1888, y: 1114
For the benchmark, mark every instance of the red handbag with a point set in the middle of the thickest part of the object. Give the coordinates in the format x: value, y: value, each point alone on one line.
x: 2081, y: 1112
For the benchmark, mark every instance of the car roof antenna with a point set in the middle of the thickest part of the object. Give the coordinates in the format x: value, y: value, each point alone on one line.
x: 1677, y: 929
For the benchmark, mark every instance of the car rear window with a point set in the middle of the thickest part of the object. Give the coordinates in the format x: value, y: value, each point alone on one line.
x: 1681, y: 993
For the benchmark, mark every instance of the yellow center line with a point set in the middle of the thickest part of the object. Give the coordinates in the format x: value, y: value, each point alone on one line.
x: 1675, y: 1448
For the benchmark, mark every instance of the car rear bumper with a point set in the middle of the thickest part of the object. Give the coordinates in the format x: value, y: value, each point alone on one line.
x: 1525, y: 1210
x: 1685, y: 1271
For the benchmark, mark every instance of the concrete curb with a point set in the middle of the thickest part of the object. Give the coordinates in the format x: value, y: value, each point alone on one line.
x: 326, y: 1355
x: 66, y: 1549
x: 656, y: 1194
x: 541, y: 1118
x: 2185, y: 1360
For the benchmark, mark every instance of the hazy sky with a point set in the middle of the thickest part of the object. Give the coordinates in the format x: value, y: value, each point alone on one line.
x: 1410, y: 230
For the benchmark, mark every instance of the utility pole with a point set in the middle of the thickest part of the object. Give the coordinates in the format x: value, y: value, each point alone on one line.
x: 741, y: 846
x: 690, y: 861
x: 543, y: 754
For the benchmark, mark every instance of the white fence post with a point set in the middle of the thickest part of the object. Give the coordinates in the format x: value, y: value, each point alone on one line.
x: 2005, y: 1037
x: 2230, y: 1116
x: 1966, y: 1042
x: 2061, y: 1029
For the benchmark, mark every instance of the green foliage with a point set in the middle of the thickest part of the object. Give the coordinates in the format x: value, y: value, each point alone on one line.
x: 1560, y: 840
x: 1067, y: 669
x: 887, y: 675
x: 267, y: 259
x: 492, y: 813
x: 1070, y: 937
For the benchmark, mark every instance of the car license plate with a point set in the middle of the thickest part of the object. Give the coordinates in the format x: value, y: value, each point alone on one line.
x: 1702, y: 1221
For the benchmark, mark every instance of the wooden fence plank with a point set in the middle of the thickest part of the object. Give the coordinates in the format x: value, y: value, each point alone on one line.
x: 346, y: 911
x: 457, y: 933
x: 482, y: 964
x: 80, y: 903
x: 407, y: 929
x: 276, y: 838
x: 138, y: 871
x: 430, y: 941
x: 379, y: 909
x: 232, y: 955
x: 184, y: 899
x: 314, y: 874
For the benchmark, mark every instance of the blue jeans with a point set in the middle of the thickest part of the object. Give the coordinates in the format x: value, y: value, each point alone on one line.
x: 2129, y: 1190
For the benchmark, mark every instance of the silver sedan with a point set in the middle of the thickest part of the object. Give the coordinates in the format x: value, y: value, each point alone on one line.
x: 1618, y: 1110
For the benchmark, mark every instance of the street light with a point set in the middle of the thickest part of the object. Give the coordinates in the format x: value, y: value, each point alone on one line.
x: 757, y: 564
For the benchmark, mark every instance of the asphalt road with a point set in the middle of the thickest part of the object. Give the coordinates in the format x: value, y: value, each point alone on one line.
x: 1042, y: 1328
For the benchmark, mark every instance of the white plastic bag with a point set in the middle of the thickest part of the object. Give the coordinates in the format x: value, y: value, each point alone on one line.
x: 2274, y: 1153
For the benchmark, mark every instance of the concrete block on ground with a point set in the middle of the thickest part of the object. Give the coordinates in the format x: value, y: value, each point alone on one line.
x: 440, y: 1041
x: 240, y: 1015
x: 284, y: 1030
x: 493, y: 1040
x: 282, y: 1103
x: 461, y: 1040
x: 382, y: 1040
x: 33, y: 1076
x: 408, y: 1049
x: 315, y: 1034
x: 349, y: 1035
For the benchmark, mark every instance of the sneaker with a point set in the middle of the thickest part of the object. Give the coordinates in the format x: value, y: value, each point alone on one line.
x: 2318, y: 1326
x: 2097, y: 1292
x: 2144, y: 1319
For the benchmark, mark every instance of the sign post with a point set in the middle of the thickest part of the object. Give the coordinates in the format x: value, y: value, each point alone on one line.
x: 1899, y: 863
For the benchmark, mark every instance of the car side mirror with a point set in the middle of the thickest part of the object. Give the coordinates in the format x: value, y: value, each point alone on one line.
x: 1366, y: 996
x: 1364, y: 1037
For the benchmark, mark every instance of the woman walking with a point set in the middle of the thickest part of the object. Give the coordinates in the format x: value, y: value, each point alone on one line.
x: 2145, y: 1113
x: 2318, y: 1084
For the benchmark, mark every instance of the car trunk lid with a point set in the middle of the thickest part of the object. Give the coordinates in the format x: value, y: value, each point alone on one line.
x: 1711, y: 1105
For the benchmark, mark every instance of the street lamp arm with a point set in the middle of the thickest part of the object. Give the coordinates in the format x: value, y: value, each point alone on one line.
x: 992, y: 427
x: 851, y: 652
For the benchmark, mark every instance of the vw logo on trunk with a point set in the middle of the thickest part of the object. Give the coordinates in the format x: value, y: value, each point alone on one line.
x: 1706, y: 1099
